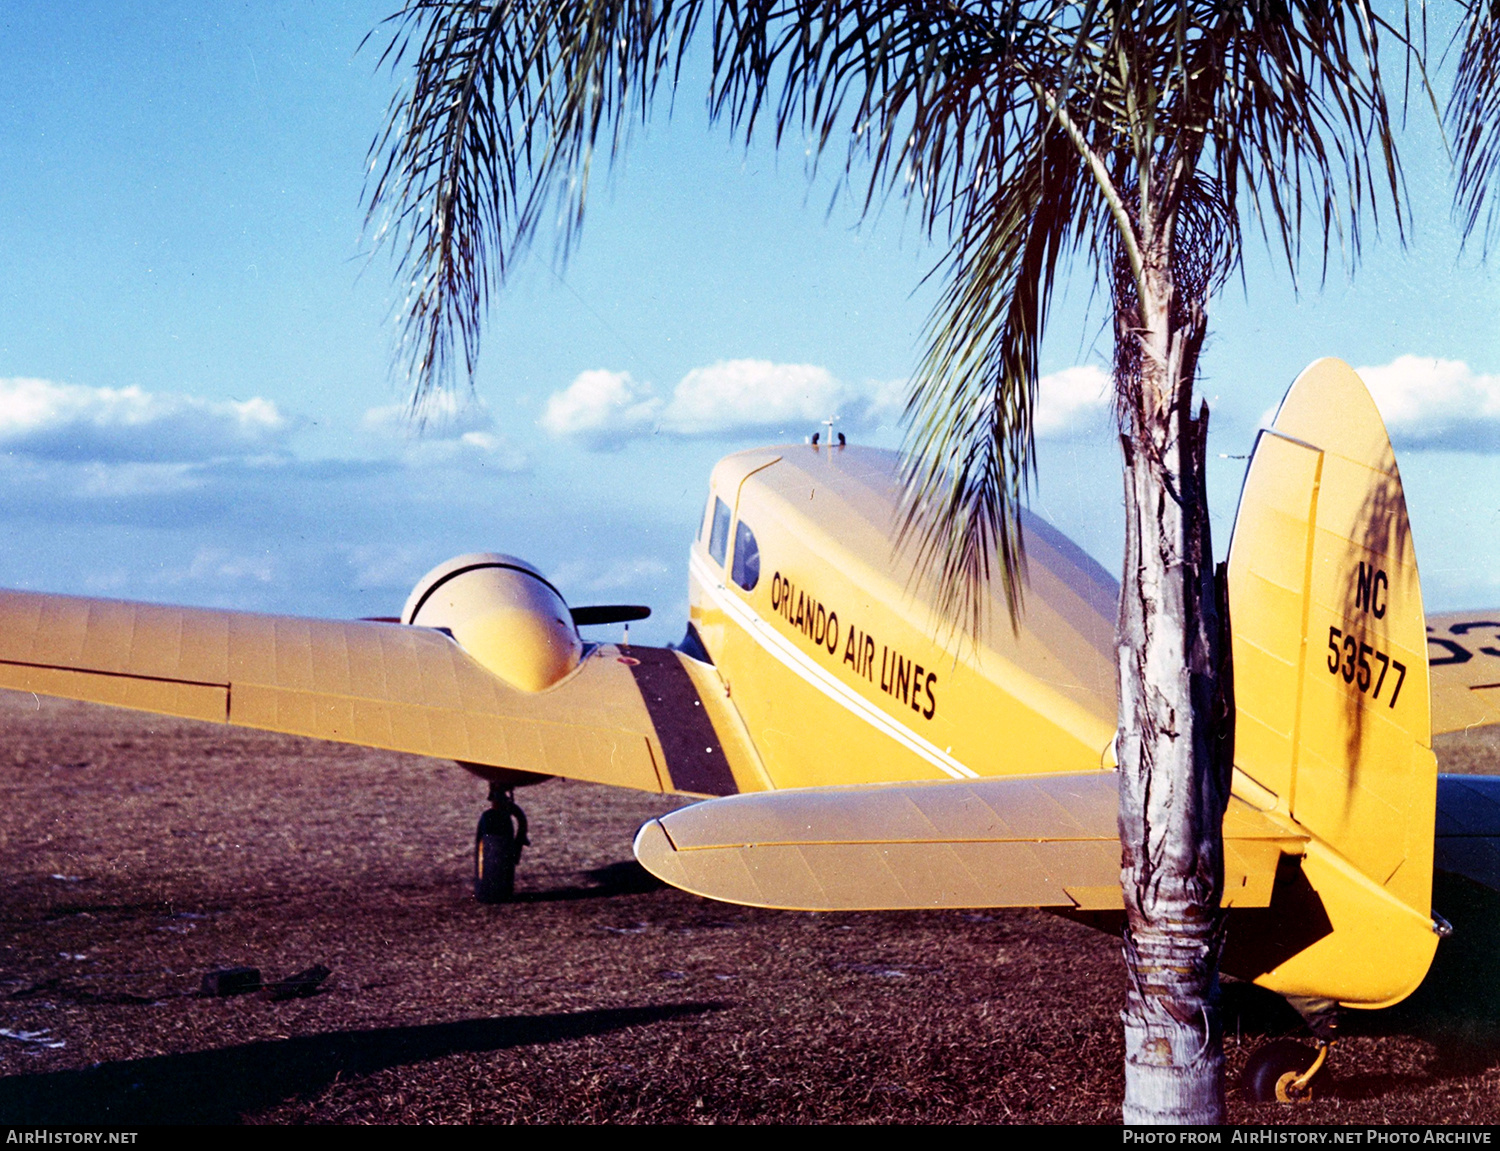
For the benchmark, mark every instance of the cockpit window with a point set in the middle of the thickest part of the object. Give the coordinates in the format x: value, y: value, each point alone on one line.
x: 746, y: 557
x: 718, y: 539
x: 704, y: 519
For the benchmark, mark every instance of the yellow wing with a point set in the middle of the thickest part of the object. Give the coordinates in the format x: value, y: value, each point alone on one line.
x: 645, y: 718
x: 1463, y: 650
x: 1031, y: 841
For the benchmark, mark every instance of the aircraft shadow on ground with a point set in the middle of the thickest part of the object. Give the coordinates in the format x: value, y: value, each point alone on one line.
x: 219, y: 1086
x: 624, y: 878
x: 1456, y: 1009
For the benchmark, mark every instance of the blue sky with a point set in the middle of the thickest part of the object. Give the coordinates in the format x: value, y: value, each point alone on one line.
x: 195, y: 398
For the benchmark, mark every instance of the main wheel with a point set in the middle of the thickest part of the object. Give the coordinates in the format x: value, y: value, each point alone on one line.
x: 1280, y: 1059
x: 497, y: 848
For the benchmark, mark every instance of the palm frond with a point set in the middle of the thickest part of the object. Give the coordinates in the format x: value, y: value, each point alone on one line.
x: 971, y: 451
x: 508, y: 103
x: 1473, y: 116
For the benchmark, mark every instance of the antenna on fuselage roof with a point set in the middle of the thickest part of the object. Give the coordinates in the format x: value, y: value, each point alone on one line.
x: 817, y: 437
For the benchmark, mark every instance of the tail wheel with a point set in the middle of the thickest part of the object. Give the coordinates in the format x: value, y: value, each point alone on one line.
x: 497, y: 849
x: 1274, y: 1070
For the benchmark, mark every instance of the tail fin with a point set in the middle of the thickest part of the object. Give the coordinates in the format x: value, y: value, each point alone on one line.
x: 1331, y: 682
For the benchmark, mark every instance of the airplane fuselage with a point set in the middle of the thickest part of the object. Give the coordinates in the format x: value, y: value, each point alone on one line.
x: 836, y: 660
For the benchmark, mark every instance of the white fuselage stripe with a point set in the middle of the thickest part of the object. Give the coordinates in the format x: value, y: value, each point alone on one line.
x: 781, y: 649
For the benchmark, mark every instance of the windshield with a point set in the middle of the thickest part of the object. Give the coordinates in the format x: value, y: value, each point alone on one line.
x: 718, y: 539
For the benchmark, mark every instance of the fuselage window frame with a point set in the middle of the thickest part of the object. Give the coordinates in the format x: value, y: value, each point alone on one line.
x: 718, y: 537
x: 705, y: 518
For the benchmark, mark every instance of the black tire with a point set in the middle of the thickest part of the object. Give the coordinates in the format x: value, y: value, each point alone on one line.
x: 496, y: 852
x: 1270, y: 1063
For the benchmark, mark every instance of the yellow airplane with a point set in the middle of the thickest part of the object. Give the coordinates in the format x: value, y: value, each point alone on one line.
x: 863, y: 756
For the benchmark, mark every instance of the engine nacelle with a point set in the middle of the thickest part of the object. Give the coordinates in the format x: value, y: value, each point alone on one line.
x: 502, y: 612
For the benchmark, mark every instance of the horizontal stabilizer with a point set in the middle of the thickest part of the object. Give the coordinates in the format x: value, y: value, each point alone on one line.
x: 1468, y: 827
x: 1034, y: 841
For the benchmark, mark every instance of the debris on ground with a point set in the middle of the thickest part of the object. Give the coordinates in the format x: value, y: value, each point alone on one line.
x: 227, y: 981
x: 299, y: 986
x: 42, y: 1038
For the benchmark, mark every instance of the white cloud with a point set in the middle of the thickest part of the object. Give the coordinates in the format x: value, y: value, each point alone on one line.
x: 48, y: 420
x: 130, y: 479
x: 484, y: 451
x: 602, y: 408
x: 223, y: 567
x: 449, y: 432
x: 443, y: 416
x: 740, y: 395
x: 1432, y: 403
x: 1073, y: 402
x: 885, y: 401
x: 70, y: 453
x: 606, y: 409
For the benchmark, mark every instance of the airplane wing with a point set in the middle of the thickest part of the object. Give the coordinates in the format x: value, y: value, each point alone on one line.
x: 1464, y: 654
x: 646, y: 718
x: 1034, y: 841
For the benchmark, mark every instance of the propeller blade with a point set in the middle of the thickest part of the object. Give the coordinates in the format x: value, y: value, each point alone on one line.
x: 609, y: 613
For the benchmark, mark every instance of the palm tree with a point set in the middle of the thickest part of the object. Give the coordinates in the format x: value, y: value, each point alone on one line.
x: 1032, y: 137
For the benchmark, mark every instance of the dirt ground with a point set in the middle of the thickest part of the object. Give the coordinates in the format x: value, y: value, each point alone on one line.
x: 140, y: 853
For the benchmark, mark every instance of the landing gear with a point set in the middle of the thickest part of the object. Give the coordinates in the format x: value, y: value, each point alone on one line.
x: 498, y: 842
x: 1282, y: 1071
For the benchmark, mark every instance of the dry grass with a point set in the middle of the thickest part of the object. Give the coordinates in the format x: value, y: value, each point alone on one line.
x: 1474, y: 752
x: 141, y: 853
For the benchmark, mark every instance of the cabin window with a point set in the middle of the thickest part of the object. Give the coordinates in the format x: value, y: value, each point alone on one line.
x: 746, y: 557
x: 718, y: 538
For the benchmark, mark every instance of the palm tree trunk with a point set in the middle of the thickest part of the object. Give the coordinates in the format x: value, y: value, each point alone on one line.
x: 1175, y: 747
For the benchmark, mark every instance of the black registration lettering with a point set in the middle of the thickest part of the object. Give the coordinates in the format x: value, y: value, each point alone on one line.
x: 1457, y: 653
x: 1401, y: 672
x: 1464, y: 629
x: 1350, y: 657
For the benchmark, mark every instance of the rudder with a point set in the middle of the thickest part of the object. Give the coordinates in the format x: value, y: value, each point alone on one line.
x: 1331, y: 682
